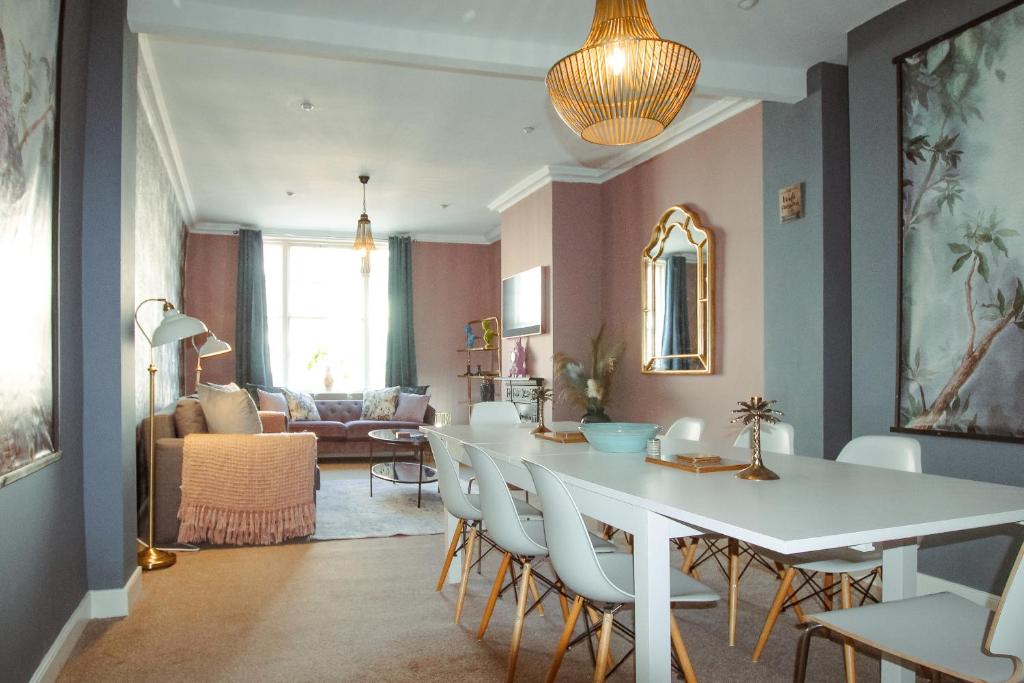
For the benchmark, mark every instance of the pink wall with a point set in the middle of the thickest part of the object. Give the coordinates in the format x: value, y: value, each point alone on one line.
x: 211, y: 274
x: 718, y: 173
x: 526, y: 243
x: 452, y: 284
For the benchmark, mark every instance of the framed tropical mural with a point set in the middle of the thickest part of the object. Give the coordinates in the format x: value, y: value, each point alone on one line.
x: 961, y: 315
x: 29, y: 83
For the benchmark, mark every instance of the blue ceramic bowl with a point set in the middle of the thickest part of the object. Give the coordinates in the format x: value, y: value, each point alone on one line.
x: 619, y: 437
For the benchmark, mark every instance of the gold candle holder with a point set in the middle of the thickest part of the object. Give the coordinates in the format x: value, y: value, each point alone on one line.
x: 542, y: 395
x: 752, y: 413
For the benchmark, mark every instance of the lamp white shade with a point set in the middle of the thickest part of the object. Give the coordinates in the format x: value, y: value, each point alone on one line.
x: 213, y: 347
x: 176, y: 326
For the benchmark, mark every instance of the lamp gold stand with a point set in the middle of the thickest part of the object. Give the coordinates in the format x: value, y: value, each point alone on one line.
x: 752, y: 413
x: 174, y: 327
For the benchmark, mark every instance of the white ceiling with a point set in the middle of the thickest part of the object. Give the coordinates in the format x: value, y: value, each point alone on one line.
x: 428, y: 96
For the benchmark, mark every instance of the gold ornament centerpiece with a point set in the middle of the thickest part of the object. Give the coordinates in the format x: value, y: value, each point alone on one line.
x: 541, y: 395
x: 626, y: 84
x: 752, y: 413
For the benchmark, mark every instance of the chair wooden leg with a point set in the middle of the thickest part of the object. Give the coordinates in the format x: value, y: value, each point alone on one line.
x: 849, y: 653
x: 607, y: 532
x: 680, y: 648
x: 829, y: 583
x: 499, y: 578
x: 734, y: 588
x: 536, y: 596
x: 604, y: 642
x: 466, y: 563
x: 797, y: 609
x: 451, y: 554
x: 563, y: 642
x: 689, y: 555
x: 595, y: 619
x: 517, y: 630
x: 564, y: 602
x: 773, y: 613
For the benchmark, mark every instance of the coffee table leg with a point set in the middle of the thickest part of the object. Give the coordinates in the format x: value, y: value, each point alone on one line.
x: 371, y: 468
x: 419, y: 483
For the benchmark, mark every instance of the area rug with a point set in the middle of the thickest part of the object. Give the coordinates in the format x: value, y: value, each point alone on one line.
x: 344, y: 509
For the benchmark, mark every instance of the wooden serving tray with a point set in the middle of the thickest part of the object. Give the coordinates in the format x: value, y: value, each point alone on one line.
x: 720, y: 466
x: 563, y: 437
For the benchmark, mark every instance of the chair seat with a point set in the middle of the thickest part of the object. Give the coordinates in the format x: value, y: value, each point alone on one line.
x: 534, y: 528
x: 525, y: 510
x: 941, y: 631
x: 842, y: 561
x: 618, y: 567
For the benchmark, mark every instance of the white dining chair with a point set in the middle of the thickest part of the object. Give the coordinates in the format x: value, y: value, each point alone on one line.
x: 522, y: 540
x: 778, y: 438
x: 466, y: 508
x: 689, y: 428
x: 494, y: 413
x: 604, y: 582
x: 889, y: 452
x: 942, y: 632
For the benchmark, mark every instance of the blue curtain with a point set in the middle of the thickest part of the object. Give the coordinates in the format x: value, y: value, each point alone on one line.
x: 675, y: 338
x: 252, y: 346
x: 400, y: 367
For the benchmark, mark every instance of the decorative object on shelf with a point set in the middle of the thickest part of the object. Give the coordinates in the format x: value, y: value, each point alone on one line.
x: 29, y: 64
x: 469, y: 370
x: 487, y: 390
x: 479, y: 371
x: 626, y: 84
x: 961, y: 250
x: 174, y: 327
x: 518, y: 367
x: 364, y: 233
x: 752, y: 413
x: 542, y: 396
x: 589, y: 388
x: 211, y: 347
x: 470, y: 336
x: 677, y: 297
x: 489, y: 332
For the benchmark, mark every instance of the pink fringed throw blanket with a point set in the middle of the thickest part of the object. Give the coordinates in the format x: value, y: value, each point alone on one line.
x: 247, y: 489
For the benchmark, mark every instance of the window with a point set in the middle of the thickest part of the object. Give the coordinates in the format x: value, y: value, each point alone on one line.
x: 328, y: 323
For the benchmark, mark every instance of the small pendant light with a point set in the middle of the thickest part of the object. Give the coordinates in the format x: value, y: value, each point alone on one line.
x: 364, y: 235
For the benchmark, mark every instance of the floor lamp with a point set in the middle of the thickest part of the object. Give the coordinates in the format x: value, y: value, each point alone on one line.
x: 211, y: 347
x: 174, y: 327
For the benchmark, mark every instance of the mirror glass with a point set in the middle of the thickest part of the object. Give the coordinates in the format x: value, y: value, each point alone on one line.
x: 678, y: 296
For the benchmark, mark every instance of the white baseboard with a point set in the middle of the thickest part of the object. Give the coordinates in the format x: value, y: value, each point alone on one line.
x: 58, y: 654
x: 116, y: 602
x: 95, y: 604
x: 928, y: 584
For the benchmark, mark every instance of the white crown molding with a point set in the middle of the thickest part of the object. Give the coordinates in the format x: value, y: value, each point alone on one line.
x: 153, y: 104
x: 709, y: 117
x: 211, y: 228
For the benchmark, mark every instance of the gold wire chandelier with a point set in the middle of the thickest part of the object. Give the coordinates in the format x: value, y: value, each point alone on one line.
x: 626, y: 84
x: 364, y: 235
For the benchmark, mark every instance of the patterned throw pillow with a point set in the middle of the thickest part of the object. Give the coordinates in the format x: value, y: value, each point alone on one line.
x: 380, y: 404
x: 301, y: 406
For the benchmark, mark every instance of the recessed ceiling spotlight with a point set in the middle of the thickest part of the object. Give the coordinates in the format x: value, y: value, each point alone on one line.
x: 290, y: 193
x: 528, y: 129
x: 445, y: 206
x: 746, y: 4
x: 469, y: 16
x: 306, y: 105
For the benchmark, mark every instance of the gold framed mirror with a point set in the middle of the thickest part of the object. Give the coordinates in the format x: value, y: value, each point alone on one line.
x: 678, y: 296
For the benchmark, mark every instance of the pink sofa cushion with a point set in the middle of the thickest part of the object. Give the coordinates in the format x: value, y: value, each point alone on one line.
x: 411, y: 408
x: 325, y: 428
x: 359, y: 429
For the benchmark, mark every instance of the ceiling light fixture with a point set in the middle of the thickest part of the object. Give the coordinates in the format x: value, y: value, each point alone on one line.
x: 364, y: 235
x: 307, y: 106
x: 626, y: 84
x: 746, y: 4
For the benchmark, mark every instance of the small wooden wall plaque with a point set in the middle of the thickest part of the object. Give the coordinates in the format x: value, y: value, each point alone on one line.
x: 791, y: 203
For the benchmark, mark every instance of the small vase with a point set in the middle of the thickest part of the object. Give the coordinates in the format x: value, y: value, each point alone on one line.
x: 597, y: 415
x: 328, y: 379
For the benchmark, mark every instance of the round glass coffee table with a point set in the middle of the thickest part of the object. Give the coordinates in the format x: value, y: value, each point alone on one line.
x: 400, y: 471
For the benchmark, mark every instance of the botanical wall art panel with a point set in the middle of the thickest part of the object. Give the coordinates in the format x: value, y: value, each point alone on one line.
x: 29, y: 34
x: 962, y: 231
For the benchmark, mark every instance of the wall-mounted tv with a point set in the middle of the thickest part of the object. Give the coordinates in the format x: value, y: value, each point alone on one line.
x: 522, y: 303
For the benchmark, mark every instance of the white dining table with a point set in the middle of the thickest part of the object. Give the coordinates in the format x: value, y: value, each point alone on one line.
x: 816, y: 504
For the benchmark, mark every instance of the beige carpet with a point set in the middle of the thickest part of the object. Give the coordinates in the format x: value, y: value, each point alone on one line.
x: 365, y: 610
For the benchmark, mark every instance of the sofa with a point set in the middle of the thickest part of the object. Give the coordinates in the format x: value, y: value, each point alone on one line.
x: 340, y: 431
x: 168, y: 459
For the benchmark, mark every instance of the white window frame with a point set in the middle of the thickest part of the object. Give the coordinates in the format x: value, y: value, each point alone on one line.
x: 286, y: 243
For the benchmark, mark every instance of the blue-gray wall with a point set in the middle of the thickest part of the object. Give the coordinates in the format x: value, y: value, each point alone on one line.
x: 981, y: 562
x: 42, y: 537
x: 807, y: 261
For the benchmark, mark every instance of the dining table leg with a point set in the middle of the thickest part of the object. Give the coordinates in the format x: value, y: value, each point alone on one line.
x: 651, y: 571
x: 899, y: 581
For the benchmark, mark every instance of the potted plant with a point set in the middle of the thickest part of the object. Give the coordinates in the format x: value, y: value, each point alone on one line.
x: 589, y: 387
